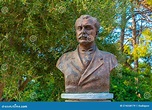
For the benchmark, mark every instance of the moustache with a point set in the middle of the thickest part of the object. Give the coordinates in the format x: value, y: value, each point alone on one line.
x: 82, y: 36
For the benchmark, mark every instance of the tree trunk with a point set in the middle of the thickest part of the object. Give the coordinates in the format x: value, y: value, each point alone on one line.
x: 122, y: 40
x: 21, y: 88
x: 1, y: 90
x: 134, y: 43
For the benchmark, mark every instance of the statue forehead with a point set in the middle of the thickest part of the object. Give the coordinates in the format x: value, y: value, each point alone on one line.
x: 88, y: 21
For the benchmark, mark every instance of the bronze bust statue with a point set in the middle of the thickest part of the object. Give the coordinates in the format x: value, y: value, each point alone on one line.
x: 87, y: 69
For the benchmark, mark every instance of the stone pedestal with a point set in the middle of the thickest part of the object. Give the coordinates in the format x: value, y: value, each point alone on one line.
x: 87, y: 97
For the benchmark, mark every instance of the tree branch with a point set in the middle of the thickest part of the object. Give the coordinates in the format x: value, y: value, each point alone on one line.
x: 1, y: 90
x: 21, y: 88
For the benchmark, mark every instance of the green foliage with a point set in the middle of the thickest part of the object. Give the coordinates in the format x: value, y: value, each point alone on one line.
x: 131, y: 86
x: 33, y: 35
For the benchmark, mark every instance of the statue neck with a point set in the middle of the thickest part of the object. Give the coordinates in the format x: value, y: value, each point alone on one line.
x: 87, y: 48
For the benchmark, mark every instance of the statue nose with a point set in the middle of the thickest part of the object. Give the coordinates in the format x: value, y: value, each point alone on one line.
x: 83, y: 31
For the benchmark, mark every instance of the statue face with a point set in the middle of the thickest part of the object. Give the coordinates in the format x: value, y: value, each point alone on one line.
x: 86, y: 31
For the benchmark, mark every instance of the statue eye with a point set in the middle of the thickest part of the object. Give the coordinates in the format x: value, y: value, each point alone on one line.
x: 88, y: 27
x: 79, y: 28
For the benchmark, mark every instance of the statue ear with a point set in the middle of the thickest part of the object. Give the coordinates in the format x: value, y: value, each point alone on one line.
x: 97, y: 33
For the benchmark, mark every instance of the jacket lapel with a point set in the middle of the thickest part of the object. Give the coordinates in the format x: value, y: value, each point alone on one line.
x: 95, y: 63
x: 76, y: 62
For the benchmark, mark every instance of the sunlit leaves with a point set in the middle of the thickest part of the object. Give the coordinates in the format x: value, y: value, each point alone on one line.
x: 138, y: 51
x: 149, y: 2
x: 127, y: 49
x: 145, y: 43
x: 147, y: 33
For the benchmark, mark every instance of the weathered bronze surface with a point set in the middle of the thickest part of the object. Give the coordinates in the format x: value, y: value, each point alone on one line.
x: 87, y: 69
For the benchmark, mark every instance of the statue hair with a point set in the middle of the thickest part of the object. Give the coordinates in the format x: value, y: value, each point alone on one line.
x: 97, y: 24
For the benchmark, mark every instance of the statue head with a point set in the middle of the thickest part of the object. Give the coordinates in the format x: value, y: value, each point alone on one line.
x: 87, y: 28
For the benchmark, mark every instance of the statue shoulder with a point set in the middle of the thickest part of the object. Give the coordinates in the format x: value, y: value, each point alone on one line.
x: 110, y: 58
x: 66, y: 56
x: 62, y: 61
x: 106, y: 54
